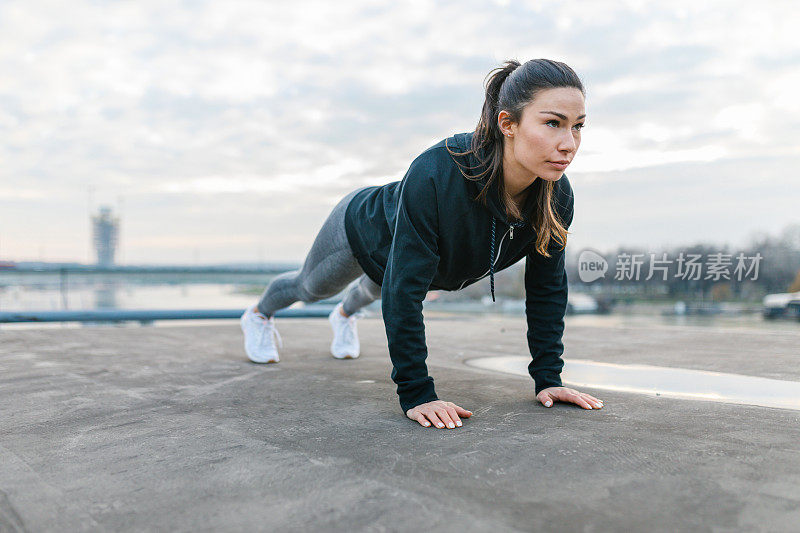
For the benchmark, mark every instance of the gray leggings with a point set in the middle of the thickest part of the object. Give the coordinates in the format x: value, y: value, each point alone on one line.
x: 328, y: 268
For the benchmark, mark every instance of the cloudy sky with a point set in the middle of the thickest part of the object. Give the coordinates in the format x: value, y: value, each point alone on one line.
x: 226, y: 131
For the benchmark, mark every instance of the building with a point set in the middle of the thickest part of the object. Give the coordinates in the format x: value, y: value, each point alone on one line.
x: 105, y: 232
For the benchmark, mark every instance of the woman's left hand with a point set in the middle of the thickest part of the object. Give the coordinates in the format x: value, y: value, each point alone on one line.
x: 551, y: 394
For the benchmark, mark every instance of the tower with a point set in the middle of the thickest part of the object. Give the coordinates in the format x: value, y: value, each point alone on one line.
x: 105, y: 231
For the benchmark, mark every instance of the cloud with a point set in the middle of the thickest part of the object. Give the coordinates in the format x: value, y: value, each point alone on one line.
x: 722, y: 201
x: 249, y: 102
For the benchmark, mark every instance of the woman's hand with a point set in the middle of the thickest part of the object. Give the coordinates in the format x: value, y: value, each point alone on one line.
x: 438, y: 413
x: 551, y: 394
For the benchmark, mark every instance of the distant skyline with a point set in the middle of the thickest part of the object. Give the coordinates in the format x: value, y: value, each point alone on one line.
x: 226, y: 131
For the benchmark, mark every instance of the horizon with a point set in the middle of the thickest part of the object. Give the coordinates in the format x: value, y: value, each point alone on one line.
x: 787, y: 233
x: 227, y: 132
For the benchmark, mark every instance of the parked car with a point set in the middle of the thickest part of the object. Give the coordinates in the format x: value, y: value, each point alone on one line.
x: 783, y: 305
x: 580, y: 303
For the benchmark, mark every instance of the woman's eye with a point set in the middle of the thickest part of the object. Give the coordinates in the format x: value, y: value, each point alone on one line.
x: 579, y: 126
x: 552, y: 122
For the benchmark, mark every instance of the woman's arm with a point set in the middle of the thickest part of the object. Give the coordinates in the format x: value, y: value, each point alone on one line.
x: 545, y: 307
x: 546, y: 299
x: 411, y: 266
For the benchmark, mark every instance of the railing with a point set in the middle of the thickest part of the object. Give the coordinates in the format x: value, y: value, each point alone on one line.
x: 60, y: 276
x: 146, y: 316
x: 122, y: 269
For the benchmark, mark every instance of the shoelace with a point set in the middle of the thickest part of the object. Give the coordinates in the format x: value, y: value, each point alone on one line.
x: 276, y: 335
x: 350, y: 329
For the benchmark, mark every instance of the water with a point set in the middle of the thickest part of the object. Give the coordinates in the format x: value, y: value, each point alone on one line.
x: 126, y: 296
x: 655, y: 319
x: 121, y: 294
x: 661, y: 381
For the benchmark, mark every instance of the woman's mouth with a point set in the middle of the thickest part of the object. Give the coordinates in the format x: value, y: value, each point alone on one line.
x: 560, y: 165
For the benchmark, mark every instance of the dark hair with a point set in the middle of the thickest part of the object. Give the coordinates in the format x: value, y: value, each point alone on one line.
x: 512, y: 87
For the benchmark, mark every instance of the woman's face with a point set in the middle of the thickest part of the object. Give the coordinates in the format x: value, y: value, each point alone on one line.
x: 548, y: 135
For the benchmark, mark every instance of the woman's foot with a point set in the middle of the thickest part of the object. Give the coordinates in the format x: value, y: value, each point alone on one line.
x: 345, y: 335
x: 260, y: 336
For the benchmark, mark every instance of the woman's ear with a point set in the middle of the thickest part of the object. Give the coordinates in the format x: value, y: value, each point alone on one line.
x: 505, y: 123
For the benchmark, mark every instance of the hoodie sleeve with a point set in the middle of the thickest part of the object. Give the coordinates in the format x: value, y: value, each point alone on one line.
x: 545, y: 306
x: 410, y: 269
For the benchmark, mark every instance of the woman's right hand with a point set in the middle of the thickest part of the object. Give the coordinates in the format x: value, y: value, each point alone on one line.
x: 439, y: 413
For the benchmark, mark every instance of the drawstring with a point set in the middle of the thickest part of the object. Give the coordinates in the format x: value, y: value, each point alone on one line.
x: 491, y: 260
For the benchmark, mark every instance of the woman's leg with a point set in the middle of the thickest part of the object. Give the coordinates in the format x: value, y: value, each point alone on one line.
x: 328, y: 268
x: 360, y: 293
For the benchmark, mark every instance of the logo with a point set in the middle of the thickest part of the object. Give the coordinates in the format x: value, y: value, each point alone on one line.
x: 591, y: 266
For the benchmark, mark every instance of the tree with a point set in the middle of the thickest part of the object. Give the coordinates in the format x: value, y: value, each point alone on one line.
x: 795, y: 286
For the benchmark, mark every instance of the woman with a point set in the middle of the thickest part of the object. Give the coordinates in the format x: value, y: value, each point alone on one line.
x: 469, y: 206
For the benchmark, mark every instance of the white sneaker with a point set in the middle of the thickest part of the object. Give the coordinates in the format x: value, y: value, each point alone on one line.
x: 260, y: 336
x: 345, y: 335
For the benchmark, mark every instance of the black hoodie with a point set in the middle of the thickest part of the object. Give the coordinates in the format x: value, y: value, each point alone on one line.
x: 427, y: 232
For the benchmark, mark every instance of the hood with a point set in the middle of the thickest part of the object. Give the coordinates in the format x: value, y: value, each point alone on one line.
x: 463, y: 143
x: 494, y: 205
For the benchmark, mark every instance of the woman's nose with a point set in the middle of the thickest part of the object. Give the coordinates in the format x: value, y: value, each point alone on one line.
x: 568, y: 143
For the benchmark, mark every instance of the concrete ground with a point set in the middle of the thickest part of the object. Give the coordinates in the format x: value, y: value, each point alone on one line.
x: 171, y: 428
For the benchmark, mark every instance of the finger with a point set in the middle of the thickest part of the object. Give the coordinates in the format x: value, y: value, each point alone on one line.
x: 594, y: 401
x: 589, y: 396
x: 444, y: 416
x: 454, y: 416
x: 546, y: 399
x: 578, y: 399
x: 422, y: 420
x: 462, y: 412
x: 434, y: 419
x: 564, y: 394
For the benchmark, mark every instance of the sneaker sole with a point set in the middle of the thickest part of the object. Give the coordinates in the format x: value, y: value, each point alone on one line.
x: 264, y: 362
x: 345, y: 356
